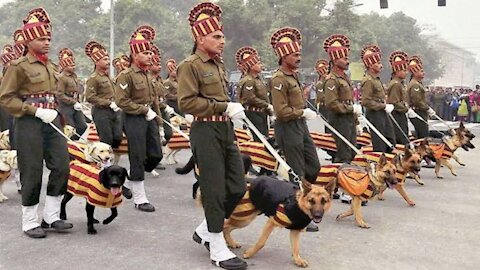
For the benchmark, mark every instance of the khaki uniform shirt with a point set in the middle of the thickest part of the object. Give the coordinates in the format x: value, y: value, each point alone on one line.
x: 67, y: 89
x: 171, y: 87
x: 338, y: 93
x: 287, y: 95
x: 157, y: 83
x: 99, y: 90
x: 134, y: 91
x: 416, y: 95
x: 396, y: 95
x: 320, y: 92
x: 202, y: 86
x: 373, y: 94
x: 253, y: 92
x: 26, y: 76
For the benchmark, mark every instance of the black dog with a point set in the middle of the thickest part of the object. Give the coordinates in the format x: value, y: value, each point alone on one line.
x: 247, y: 163
x: 112, y: 178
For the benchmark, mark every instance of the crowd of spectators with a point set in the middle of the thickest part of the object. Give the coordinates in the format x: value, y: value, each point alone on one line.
x: 456, y: 104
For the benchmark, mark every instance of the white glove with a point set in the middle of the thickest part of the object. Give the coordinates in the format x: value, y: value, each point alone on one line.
x: 431, y: 112
x: 114, y: 107
x: 357, y: 109
x: 150, y: 115
x: 411, y: 113
x: 77, y: 106
x: 309, y: 114
x: 46, y: 115
x: 169, y: 110
x: 270, y: 107
x: 389, y: 108
x: 272, y: 119
x: 235, y: 111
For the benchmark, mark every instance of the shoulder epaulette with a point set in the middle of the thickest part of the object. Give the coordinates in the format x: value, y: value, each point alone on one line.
x: 18, y: 61
x: 191, y: 58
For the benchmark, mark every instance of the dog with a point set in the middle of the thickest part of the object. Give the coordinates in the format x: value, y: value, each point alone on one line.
x: 361, y: 183
x: 284, y: 205
x: 102, y: 188
x: 5, y: 140
x: 8, y: 167
x: 443, y: 151
x: 98, y: 153
x: 247, y: 163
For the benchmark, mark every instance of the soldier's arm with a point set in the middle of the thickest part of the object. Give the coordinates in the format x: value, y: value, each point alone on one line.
x: 9, y: 98
x: 161, y: 95
x: 123, y: 88
x: 91, y: 94
x: 368, y: 88
x: 320, y: 94
x: 416, y: 99
x: 189, y: 98
x: 395, y: 98
x: 60, y: 95
x: 169, y: 91
x: 249, y: 97
x: 278, y: 89
x: 331, y: 98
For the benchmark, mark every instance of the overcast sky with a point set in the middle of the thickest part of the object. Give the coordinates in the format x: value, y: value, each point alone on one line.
x: 458, y: 22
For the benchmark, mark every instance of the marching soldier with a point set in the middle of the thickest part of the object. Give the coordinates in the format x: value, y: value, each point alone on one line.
x: 171, y: 86
x: 339, y: 96
x: 417, y: 99
x: 396, y: 95
x: 120, y: 64
x: 28, y: 93
x: 373, y: 98
x: 253, y: 92
x: 68, y: 92
x: 117, y: 66
x: 202, y: 92
x: 321, y: 66
x: 99, y: 93
x: 291, y: 130
x: 136, y: 96
x: 6, y: 57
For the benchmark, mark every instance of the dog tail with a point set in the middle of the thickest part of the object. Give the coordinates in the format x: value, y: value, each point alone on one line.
x: 187, y: 168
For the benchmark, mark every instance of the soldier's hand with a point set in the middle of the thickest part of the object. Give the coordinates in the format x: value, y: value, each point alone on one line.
x: 270, y: 108
x: 431, y: 112
x: 114, y: 107
x: 389, y: 108
x: 150, y: 115
x: 169, y: 110
x: 235, y: 111
x: 46, y: 115
x: 357, y: 109
x: 309, y: 114
x: 77, y: 106
x: 411, y: 113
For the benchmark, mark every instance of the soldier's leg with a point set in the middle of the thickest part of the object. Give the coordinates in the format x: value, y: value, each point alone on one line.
x: 116, y: 124
x: 312, y: 164
x: 402, y: 122
x: 28, y: 131
x: 166, y: 128
x: 103, y: 125
x: 343, y: 151
x: 67, y: 113
x: 259, y: 120
x: 235, y: 178
x: 57, y: 161
x: 80, y: 122
x: 154, y: 148
x: 375, y: 118
x: 210, y: 158
x: 289, y: 137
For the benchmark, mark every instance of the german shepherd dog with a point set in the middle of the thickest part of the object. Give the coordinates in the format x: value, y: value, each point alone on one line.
x: 110, y: 181
x: 284, y: 205
x: 443, y: 151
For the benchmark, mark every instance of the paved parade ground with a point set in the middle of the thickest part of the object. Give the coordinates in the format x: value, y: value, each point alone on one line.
x: 440, y: 232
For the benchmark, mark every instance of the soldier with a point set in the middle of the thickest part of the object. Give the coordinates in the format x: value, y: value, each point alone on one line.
x: 117, y: 66
x: 373, y: 98
x: 252, y: 91
x: 321, y: 66
x: 339, y: 96
x: 171, y: 86
x: 136, y: 96
x: 6, y: 57
x: 291, y: 130
x: 396, y: 95
x: 68, y: 92
x: 417, y: 98
x: 99, y: 93
x: 28, y: 93
x: 202, y: 92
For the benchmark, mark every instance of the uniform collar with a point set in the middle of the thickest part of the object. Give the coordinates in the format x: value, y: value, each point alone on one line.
x: 101, y: 74
x: 374, y: 76
x: 203, y: 56
x: 340, y: 75
x: 33, y: 58
x: 288, y: 72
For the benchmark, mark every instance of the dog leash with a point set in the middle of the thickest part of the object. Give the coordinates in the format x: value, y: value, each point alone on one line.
x: 401, y: 130
x: 59, y: 131
x: 443, y: 121
x: 174, y: 128
x: 379, y: 134
x: 274, y: 153
x: 347, y: 142
x: 426, y: 122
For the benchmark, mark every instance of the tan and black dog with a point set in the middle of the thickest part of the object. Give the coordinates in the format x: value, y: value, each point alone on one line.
x: 443, y: 151
x: 284, y: 205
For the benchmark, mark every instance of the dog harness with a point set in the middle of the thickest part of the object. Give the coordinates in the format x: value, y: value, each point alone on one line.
x: 84, y: 181
x: 441, y: 151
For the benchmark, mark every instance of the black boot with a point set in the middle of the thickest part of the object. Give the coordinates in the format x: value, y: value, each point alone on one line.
x: 58, y: 226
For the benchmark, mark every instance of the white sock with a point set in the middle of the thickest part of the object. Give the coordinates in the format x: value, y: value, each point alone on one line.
x: 202, y: 231
x: 51, y: 211
x: 219, y: 251
x: 29, y: 217
x: 128, y: 184
x: 138, y: 191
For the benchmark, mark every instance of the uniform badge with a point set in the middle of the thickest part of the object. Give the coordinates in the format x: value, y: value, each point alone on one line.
x: 167, y: 87
x: 124, y: 86
x: 250, y: 88
x: 331, y: 88
x: 416, y: 89
x: 279, y: 87
x: 321, y: 90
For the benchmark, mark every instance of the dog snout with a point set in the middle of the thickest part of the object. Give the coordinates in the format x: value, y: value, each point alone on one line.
x: 317, y: 215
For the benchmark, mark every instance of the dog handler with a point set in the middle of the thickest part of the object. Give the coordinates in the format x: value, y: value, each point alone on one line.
x: 137, y: 97
x: 28, y: 93
x: 202, y: 92
x: 291, y: 130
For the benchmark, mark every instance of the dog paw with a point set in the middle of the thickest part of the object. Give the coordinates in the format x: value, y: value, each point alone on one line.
x: 92, y: 231
x: 248, y: 253
x: 234, y: 245
x: 364, y: 225
x: 421, y: 183
x: 454, y: 174
x: 439, y: 177
x: 462, y: 164
x: 301, y: 262
x: 411, y: 203
x: 63, y: 216
x: 95, y: 221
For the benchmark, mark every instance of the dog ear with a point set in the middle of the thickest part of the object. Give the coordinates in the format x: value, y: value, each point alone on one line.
x: 307, y: 187
x: 330, y: 187
x: 382, y: 161
x: 104, y: 178
x: 91, y: 149
x: 408, y: 153
x: 125, y: 172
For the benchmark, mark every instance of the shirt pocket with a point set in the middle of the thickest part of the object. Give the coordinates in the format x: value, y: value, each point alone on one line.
x: 37, y: 82
x: 212, y: 85
x: 140, y: 90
